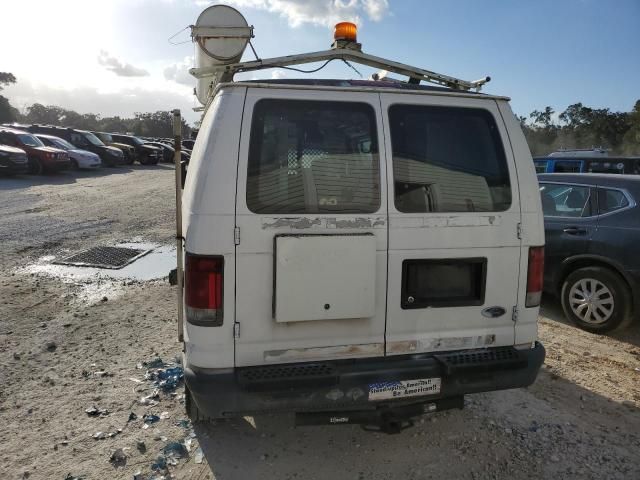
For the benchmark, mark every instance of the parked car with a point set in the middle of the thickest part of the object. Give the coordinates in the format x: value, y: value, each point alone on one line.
x: 147, y: 154
x: 82, y: 139
x: 168, y: 152
x: 129, y: 152
x: 79, y: 158
x: 188, y: 144
x: 552, y: 164
x: 592, y: 226
x: 40, y: 157
x: 13, y: 161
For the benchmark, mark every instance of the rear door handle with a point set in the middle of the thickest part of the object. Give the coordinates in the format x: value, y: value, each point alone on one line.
x: 574, y: 231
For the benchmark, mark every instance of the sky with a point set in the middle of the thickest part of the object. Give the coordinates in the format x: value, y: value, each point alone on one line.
x: 114, y: 57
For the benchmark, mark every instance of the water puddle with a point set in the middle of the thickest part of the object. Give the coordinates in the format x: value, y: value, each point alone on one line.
x: 96, y: 283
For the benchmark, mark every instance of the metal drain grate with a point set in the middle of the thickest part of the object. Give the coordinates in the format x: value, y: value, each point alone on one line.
x: 104, y: 257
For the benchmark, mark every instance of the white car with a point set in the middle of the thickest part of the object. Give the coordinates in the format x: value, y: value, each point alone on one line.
x: 79, y: 158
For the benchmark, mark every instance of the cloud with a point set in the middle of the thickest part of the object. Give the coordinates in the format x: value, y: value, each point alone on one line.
x: 319, y: 12
x: 278, y: 74
x: 179, y: 72
x: 123, y: 103
x: 121, y: 69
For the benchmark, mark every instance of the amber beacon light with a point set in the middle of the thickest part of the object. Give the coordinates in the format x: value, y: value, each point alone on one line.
x: 345, y: 31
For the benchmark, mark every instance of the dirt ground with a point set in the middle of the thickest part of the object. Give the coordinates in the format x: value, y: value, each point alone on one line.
x: 64, y: 350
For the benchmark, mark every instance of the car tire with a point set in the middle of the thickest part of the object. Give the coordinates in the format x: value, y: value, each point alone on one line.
x: 35, y: 166
x: 193, y: 412
x: 596, y: 299
x: 74, y: 165
x: 143, y: 160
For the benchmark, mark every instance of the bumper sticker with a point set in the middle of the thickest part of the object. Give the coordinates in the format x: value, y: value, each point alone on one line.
x: 404, y: 388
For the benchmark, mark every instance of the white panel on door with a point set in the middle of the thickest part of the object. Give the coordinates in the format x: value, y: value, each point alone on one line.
x: 325, y: 277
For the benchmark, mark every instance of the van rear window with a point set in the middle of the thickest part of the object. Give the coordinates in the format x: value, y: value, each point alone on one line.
x: 447, y: 160
x: 313, y: 157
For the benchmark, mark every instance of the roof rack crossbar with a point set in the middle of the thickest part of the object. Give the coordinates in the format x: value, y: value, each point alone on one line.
x: 225, y: 73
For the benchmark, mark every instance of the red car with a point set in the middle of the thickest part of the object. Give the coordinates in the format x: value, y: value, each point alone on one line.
x: 41, y: 159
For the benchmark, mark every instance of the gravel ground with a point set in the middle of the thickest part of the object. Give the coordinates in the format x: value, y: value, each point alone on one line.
x: 63, y: 351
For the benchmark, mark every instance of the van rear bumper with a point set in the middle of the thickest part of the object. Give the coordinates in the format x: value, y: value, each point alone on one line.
x: 344, y: 385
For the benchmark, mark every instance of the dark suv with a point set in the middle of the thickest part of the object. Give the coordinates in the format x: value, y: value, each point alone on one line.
x: 146, y: 154
x: 592, y: 229
x: 84, y: 140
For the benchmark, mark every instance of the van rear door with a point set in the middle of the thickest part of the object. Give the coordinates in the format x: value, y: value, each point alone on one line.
x: 454, y: 214
x: 311, y: 216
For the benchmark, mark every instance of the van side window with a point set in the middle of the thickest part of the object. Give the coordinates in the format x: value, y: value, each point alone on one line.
x: 606, y: 167
x: 447, y: 160
x: 541, y: 166
x: 313, y: 157
x: 568, y: 166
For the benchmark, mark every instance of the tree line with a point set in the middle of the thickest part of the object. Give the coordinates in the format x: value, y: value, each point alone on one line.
x: 578, y: 126
x: 148, y: 124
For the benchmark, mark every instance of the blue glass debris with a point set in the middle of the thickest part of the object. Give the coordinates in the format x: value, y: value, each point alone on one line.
x: 150, y: 418
x: 160, y: 463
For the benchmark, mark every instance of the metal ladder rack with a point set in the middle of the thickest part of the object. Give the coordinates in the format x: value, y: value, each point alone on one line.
x: 348, y: 51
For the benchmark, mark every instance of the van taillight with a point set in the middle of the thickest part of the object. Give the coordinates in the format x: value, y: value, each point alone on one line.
x: 534, y: 276
x: 203, y: 281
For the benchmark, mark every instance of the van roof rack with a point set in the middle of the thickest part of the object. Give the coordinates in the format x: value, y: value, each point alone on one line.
x: 225, y: 73
x: 221, y: 35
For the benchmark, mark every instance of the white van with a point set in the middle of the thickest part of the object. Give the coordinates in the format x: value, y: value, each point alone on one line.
x: 358, y: 251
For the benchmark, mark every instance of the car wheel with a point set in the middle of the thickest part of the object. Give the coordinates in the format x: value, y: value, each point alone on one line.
x: 143, y: 160
x: 35, y: 166
x: 596, y: 299
x: 74, y: 165
x: 128, y: 159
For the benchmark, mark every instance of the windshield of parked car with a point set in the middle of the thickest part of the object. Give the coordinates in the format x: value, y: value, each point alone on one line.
x: 93, y: 139
x: 61, y: 143
x: 165, y: 146
x: 105, y: 137
x: 30, y: 140
x: 138, y: 141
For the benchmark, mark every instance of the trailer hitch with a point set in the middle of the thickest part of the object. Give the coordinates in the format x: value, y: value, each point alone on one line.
x: 385, y: 419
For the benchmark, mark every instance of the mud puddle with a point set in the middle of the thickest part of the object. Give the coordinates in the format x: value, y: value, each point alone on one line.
x: 96, y: 283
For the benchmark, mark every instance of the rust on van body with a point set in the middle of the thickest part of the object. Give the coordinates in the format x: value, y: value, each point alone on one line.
x: 319, y: 353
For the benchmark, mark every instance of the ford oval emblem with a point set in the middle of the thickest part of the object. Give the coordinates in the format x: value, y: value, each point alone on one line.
x: 493, y: 312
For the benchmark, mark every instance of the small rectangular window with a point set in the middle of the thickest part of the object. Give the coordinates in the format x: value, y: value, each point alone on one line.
x: 443, y: 282
x: 567, y: 166
x: 605, y: 167
x: 611, y: 200
x: 560, y: 200
x: 447, y: 160
x: 541, y: 166
x: 313, y: 157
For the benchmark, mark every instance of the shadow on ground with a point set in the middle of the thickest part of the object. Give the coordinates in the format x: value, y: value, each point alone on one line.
x: 70, y: 176
x: 508, y: 434
x: 58, y: 178
x: 551, y: 309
